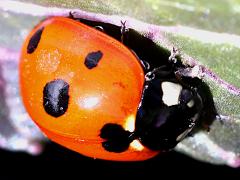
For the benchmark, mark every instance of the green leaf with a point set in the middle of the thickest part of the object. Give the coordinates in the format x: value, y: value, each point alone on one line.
x: 214, y: 15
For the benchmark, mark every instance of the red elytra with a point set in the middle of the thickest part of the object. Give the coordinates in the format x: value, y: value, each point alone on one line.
x: 97, y: 79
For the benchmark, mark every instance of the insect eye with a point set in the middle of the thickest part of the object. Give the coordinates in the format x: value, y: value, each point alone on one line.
x: 186, y: 96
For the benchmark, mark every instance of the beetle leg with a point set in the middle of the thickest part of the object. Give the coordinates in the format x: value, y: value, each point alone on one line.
x: 123, y: 30
x: 174, y: 54
x: 160, y: 72
x: 71, y: 15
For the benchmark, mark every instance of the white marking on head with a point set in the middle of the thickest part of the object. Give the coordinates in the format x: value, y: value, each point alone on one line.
x: 190, y: 104
x: 171, y: 92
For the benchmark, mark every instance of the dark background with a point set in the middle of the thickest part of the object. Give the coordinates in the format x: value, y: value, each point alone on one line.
x: 58, y: 162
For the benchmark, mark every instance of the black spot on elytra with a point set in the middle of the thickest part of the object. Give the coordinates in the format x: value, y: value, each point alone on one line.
x: 55, y: 97
x: 33, y: 42
x: 117, y: 139
x: 92, y: 59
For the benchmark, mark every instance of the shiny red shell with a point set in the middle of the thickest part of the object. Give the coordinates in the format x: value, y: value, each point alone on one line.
x: 108, y: 93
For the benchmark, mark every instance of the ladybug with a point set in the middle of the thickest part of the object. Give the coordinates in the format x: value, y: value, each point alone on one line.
x: 90, y: 93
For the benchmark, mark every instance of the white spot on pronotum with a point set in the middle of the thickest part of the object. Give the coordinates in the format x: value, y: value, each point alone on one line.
x: 136, y: 145
x: 171, y: 92
x: 190, y: 104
